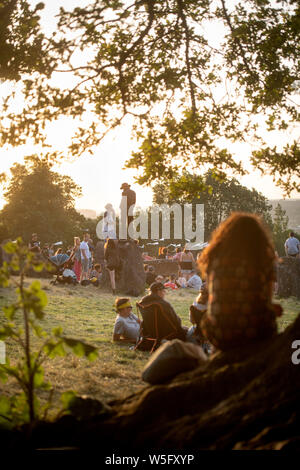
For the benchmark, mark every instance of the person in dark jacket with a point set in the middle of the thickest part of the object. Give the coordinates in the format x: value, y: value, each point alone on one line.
x: 150, y: 275
x: 112, y: 259
x: 167, y: 325
x: 127, y: 203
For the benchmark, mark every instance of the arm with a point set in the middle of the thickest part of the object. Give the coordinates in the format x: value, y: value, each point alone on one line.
x: 192, y: 259
x: 83, y: 254
x: 285, y: 249
x: 117, y: 339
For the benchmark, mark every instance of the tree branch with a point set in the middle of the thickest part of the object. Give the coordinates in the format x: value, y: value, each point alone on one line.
x: 187, y: 55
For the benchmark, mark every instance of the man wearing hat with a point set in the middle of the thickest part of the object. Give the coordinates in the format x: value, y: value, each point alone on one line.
x: 168, y: 324
x: 127, y: 203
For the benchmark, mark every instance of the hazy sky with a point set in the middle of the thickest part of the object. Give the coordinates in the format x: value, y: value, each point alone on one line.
x: 101, y: 175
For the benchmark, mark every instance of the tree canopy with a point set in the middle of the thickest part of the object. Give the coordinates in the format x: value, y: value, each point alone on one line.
x: 40, y: 200
x: 153, y: 64
x: 220, y: 198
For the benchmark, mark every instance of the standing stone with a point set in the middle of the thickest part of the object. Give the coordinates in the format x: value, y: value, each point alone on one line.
x: 132, y: 277
x: 288, y: 277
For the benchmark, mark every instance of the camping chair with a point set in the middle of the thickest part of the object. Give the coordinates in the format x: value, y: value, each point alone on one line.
x: 156, y: 326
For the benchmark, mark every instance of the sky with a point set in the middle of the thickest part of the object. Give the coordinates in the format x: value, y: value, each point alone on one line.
x: 101, y: 175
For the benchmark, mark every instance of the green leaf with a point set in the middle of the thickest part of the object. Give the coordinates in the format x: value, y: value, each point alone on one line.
x: 6, y: 332
x: 10, y: 310
x: 80, y: 348
x: 3, y: 375
x: 57, y: 331
x: 38, y: 378
x: 5, y: 412
x: 68, y: 399
x: 53, y: 349
x: 10, y: 247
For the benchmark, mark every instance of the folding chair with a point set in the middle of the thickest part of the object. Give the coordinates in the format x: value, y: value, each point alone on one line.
x: 156, y: 326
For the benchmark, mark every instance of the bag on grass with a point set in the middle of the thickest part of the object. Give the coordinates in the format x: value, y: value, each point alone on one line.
x: 172, y: 358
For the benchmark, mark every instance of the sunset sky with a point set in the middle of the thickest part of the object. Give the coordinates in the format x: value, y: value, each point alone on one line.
x: 101, y: 175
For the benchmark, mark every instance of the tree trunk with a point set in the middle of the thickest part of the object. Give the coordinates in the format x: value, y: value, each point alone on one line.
x: 245, y: 399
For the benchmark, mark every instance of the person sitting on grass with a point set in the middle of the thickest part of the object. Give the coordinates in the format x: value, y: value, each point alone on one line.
x: 181, y: 280
x: 160, y: 278
x: 127, y: 325
x: 96, y: 275
x: 197, y: 311
x: 171, y: 283
x: 239, y: 265
x: 194, y: 281
x: 68, y: 275
x: 167, y: 324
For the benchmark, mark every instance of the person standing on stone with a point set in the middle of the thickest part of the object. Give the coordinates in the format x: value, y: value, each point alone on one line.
x: 127, y: 204
x: 109, y: 226
x: 292, y: 246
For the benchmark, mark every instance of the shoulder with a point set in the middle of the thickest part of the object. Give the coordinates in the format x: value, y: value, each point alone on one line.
x: 133, y: 317
x: 119, y: 320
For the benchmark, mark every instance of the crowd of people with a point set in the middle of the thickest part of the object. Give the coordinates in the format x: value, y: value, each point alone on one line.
x: 234, y: 305
x: 234, y: 277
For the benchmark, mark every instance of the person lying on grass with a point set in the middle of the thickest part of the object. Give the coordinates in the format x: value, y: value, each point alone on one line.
x: 127, y: 325
x: 239, y: 266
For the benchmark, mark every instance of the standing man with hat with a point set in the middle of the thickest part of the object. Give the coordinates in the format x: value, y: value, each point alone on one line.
x: 127, y: 203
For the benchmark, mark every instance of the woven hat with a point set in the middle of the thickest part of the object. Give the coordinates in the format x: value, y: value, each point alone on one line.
x: 125, y: 185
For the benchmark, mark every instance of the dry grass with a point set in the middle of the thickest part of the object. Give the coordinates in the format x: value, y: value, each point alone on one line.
x: 87, y: 313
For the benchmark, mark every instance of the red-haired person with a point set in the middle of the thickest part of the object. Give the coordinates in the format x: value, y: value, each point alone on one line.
x: 239, y: 265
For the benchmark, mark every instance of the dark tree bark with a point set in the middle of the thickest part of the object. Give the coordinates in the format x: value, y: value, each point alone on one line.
x: 245, y: 399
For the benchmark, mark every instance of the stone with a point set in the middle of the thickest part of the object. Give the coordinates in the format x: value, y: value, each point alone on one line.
x: 288, y: 277
x: 131, y: 279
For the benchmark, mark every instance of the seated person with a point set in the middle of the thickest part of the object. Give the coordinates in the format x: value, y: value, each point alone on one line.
x: 197, y: 311
x: 159, y: 318
x: 68, y: 275
x: 239, y: 264
x: 181, y: 280
x: 127, y: 325
x: 171, y: 283
x: 146, y: 257
x: 45, y: 250
x: 194, y: 282
x: 160, y: 278
x: 150, y: 275
x: 34, y: 244
x: 96, y: 275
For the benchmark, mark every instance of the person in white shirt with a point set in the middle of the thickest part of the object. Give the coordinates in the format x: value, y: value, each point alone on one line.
x: 127, y: 325
x: 85, y: 257
x: 292, y: 245
x: 109, y: 227
x: 194, y: 281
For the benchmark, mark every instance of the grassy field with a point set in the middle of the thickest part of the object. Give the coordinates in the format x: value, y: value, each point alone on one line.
x: 87, y: 313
